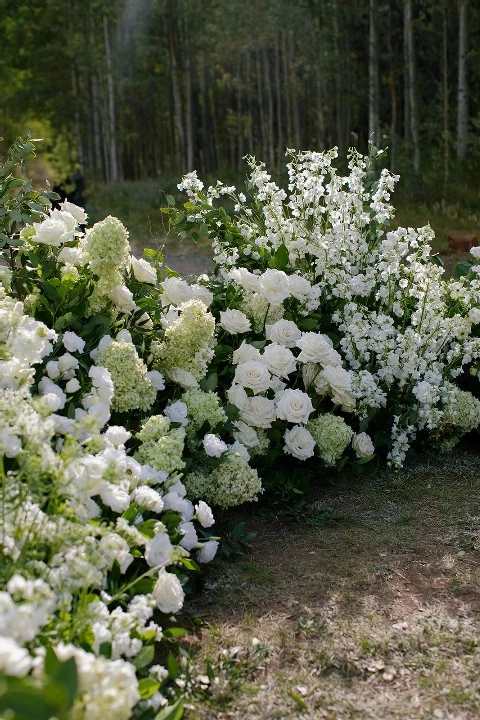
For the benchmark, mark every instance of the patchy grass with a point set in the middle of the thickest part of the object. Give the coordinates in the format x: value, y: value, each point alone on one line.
x: 374, y: 613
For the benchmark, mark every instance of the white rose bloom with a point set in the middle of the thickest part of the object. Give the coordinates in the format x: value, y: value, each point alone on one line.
x: 245, y: 434
x: 143, y: 271
x: 237, y: 448
x: 213, y: 446
x: 299, y: 287
x: 177, y: 412
x: 72, y: 386
x: 283, y: 332
x: 246, y: 279
x: 52, y: 231
x: 159, y: 550
x: 78, y: 212
x: 122, y: 298
x: 317, y: 348
x: 299, y: 442
x: 190, y: 537
x: 168, y: 592
x: 245, y: 353
x: 71, y: 256
x: 475, y: 251
x: 65, y: 217
x: 294, y: 406
x: 207, y: 551
x: 340, y: 382
x: 156, y: 379
x: 175, y: 291
x: 363, y: 445
x: 279, y: 360
x: 204, y: 514
x: 274, y: 286
x: 234, y: 321
x: 200, y: 292
x: 258, y: 411
x: 183, y: 378
x: 237, y: 396
x: 14, y: 660
x: 72, y: 342
x: 253, y: 375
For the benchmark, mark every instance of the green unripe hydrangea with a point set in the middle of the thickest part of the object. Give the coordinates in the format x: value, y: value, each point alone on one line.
x: 332, y: 435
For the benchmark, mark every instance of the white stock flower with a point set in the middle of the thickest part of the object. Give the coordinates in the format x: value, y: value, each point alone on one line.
x: 340, y: 382
x: 234, y: 322
x: 294, y: 406
x: 283, y: 332
x: 143, y: 271
x: 253, y: 375
x: 317, y: 348
x: 363, y: 445
x: 168, y: 592
x: 274, y: 286
x: 213, y: 446
x: 122, y: 298
x: 299, y: 442
x: 279, y: 360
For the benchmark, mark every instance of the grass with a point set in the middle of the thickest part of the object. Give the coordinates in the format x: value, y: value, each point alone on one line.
x: 373, y: 614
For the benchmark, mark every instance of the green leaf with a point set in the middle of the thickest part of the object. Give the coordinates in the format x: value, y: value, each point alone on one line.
x: 147, y: 687
x: 307, y: 324
x: 170, y: 200
x: 462, y: 268
x: 172, y: 666
x: 144, y: 657
x: 299, y: 700
x: 174, y: 632
x: 281, y: 257
x: 172, y: 712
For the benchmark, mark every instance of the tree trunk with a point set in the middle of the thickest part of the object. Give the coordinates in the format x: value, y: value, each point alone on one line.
x: 462, y: 96
x: 188, y: 93
x: 412, y: 102
x: 111, y: 133
x: 176, y: 92
x: 268, y: 85
x: 373, y: 86
x: 393, y: 95
x: 446, y: 134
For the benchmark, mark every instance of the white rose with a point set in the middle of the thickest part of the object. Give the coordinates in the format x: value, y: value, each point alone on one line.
x: 183, y: 378
x: 363, y: 445
x: 15, y: 660
x: 274, y: 286
x: 245, y: 434
x: 207, y: 551
x: 168, y: 592
x: 52, y: 232
x: 234, y: 321
x: 143, y: 271
x: 299, y: 287
x: 294, y: 406
x: 283, y: 332
x: 200, y: 292
x: 190, y: 537
x: 78, y: 212
x: 175, y: 291
x: 237, y: 396
x: 204, y: 514
x: 71, y: 256
x: 159, y: 550
x: 317, y: 348
x: 237, y: 448
x: 475, y: 251
x: 156, y: 379
x: 213, y: 446
x: 258, y: 411
x: 299, y: 442
x: 246, y: 279
x: 72, y: 342
x: 177, y: 412
x: 340, y: 382
x: 122, y: 298
x: 253, y: 375
x: 245, y: 353
x: 65, y: 217
x: 279, y: 359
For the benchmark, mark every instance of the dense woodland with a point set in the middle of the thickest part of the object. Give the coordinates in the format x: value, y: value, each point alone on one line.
x: 132, y: 89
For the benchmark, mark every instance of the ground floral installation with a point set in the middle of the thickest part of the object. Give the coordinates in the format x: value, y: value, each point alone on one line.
x: 131, y: 398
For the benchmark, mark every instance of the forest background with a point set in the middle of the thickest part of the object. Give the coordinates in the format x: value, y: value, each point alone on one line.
x: 129, y: 94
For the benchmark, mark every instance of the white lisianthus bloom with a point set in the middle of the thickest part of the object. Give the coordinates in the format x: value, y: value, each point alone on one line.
x: 72, y: 386
x: 274, y: 286
x: 340, y: 382
x: 234, y: 322
x: 363, y: 445
x: 245, y: 434
x: 177, y: 412
x: 253, y: 375
x: 294, y: 406
x: 52, y: 231
x: 213, y: 446
x: 159, y: 550
x: 204, y: 515
x: 78, y: 212
x: 246, y: 352
x: 122, y: 298
x: 317, y: 348
x: 258, y: 411
x: 14, y: 660
x: 200, y: 292
x: 299, y: 442
x: 279, y: 360
x: 143, y: 271
x: 190, y: 537
x: 283, y: 332
x: 72, y: 342
x: 156, y: 379
x: 207, y: 551
x: 168, y: 592
x: 145, y: 321
x: 175, y: 291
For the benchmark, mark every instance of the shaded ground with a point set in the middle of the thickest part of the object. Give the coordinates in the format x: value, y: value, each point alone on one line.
x: 370, y: 611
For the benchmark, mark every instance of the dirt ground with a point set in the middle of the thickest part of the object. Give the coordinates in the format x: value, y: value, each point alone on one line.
x: 368, y: 606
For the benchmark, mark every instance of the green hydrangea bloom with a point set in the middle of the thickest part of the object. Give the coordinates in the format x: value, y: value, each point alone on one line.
x: 202, y: 407
x: 133, y: 389
x: 161, y: 447
x: 233, y: 482
x: 332, y: 435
